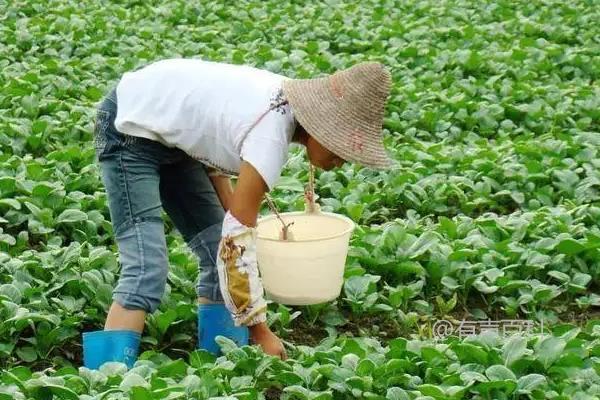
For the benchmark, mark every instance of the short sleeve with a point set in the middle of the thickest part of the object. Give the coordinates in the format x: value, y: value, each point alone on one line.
x: 266, y: 146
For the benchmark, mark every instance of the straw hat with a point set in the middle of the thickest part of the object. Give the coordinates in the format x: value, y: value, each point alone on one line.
x: 344, y: 111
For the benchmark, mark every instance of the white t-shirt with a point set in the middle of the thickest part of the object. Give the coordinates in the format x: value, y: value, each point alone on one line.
x: 205, y: 108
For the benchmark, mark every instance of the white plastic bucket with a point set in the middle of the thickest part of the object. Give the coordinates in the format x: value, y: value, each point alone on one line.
x: 310, y: 268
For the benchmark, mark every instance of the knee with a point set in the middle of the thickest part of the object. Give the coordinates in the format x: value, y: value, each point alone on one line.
x: 153, y: 226
x: 205, y: 245
x: 144, y: 265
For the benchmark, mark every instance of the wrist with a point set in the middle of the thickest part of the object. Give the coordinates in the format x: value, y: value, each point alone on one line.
x: 258, y: 328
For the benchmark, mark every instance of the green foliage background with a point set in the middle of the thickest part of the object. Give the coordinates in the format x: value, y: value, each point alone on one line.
x: 493, y: 212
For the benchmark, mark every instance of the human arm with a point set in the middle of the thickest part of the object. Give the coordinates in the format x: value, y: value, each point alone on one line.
x: 224, y: 189
x: 243, y: 201
x: 238, y: 270
x: 248, y: 194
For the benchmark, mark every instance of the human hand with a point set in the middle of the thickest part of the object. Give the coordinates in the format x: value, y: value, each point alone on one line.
x: 269, y: 342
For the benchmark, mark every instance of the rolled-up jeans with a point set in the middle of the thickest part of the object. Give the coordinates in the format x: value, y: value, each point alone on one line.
x: 141, y: 177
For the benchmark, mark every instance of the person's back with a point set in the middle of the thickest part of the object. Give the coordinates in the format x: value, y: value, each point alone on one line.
x: 205, y: 108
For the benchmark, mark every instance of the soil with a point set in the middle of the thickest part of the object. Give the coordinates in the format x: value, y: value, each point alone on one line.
x: 273, y: 393
x: 303, y: 333
x: 579, y: 318
x: 384, y: 328
x: 380, y: 326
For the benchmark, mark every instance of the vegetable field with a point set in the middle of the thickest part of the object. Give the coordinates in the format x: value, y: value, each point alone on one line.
x: 492, y: 215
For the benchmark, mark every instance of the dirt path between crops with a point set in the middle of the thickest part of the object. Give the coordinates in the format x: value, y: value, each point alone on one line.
x: 384, y: 328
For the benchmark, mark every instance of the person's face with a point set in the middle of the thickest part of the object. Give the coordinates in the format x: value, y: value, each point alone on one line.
x: 320, y: 157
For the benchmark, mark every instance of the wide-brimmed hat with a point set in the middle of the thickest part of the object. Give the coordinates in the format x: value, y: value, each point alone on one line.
x: 344, y: 111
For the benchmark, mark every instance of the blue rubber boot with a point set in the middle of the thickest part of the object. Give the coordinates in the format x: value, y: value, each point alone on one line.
x: 215, y: 320
x: 112, y: 345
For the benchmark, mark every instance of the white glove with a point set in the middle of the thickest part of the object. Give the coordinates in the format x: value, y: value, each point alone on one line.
x: 240, y: 283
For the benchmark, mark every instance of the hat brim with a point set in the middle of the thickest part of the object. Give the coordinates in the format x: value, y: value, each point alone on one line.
x: 319, y: 112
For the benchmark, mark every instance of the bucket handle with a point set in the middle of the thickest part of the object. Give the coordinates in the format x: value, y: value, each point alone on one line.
x: 310, y: 206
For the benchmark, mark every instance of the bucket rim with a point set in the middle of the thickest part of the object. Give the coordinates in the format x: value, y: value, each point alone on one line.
x: 351, y: 226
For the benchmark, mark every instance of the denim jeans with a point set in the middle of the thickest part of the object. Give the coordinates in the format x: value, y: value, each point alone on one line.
x: 141, y: 177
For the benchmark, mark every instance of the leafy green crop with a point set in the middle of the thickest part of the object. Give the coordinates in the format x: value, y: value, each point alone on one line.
x: 489, y: 367
x: 493, y: 211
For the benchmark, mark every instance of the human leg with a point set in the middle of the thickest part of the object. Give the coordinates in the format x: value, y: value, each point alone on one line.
x: 130, y: 175
x: 192, y: 203
x: 130, y: 172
